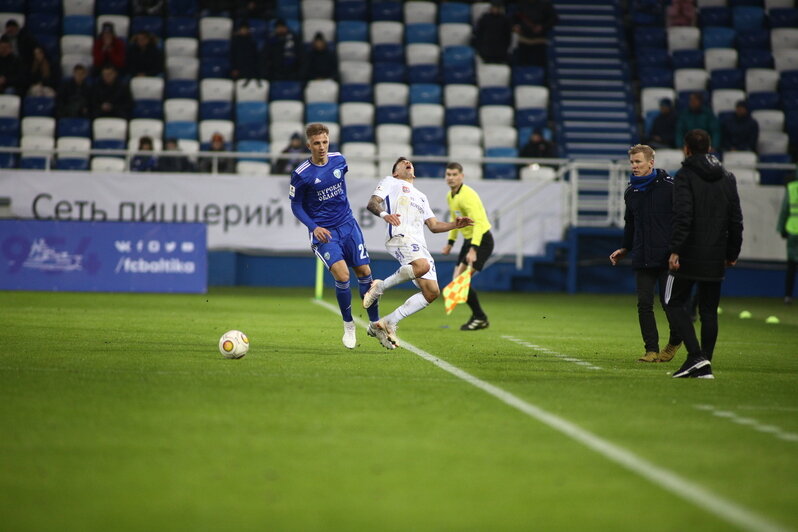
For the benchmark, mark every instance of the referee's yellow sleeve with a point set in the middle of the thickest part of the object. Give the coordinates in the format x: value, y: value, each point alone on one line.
x: 471, y: 206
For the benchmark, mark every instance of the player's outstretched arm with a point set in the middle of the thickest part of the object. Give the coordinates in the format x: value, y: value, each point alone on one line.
x: 437, y: 226
x: 376, y: 206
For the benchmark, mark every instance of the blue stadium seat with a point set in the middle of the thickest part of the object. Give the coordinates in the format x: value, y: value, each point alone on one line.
x: 683, y: 97
x: 214, y: 48
x: 351, y: 10
x: 727, y: 78
x: 70, y: 163
x: 392, y: 114
x: 356, y: 92
x: 353, y: 30
x: 180, y: 130
x: 783, y: 17
x: 43, y: 24
x: 421, y: 33
x: 215, y: 110
x: 500, y: 170
x: 78, y: 25
x: 386, y: 11
x: 252, y: 112
x: 423, y: 74
x: 774, y: 177
x: 687, y: 59
x: 650, y: 37
x: 9, y: 127
x: 149, y: 24
x: 73, y: 127
x: 748, y: 18
x: 183, y: 8
x: 321, y: 112
x: 425, y: 169
x: 459, y: 74
x: 289, y: 10
x: 148, y: 109
x: 718, y: 37
x: 214, y: 67
x: 8, y: 160
x: 651, y: 57
x: 357, y: 133
x: 528, y: 75
x: 425, y: 93
x: 389, y: 72
x: 33, y: 163
x: 454, y: 12
x: 38, y: 106
x: 111, y: 7
x: 788, y: 80
x: 425, y: 148
x: 108, y: 144
x: 429, y: 135
x: 714, y: 16
x: 252, y: 146
x: 252, y: 131
x: 754, y: 39
x: 41, y: 6
x: 755, y: 58
x: 180, y: 26
x: 285, y: 90
x: 181, y: 88
x: 388, y: 52
x: 531, y: 117
x: 461, y: 116
x: 656, y: 77
x: 763, y: 100
x: 495, y: 96
x: 458, y: 56
x: 12, y: 6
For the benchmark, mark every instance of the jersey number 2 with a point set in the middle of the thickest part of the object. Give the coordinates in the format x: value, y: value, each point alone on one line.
x: 363, y: 253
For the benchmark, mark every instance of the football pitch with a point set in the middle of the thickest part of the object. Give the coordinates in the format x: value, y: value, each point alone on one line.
x: 117, y: 412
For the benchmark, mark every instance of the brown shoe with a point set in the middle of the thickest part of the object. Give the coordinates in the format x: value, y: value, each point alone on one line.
x: 650, y: 356
x: 667, y: 354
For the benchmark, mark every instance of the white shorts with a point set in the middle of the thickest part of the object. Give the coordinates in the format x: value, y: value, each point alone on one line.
x: 406, y: 251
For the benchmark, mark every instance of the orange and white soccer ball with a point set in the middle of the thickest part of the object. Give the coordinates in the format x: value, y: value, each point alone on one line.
x: 233, y: 344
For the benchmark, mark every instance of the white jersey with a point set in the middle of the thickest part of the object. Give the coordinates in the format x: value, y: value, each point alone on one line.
x: 404, y: 199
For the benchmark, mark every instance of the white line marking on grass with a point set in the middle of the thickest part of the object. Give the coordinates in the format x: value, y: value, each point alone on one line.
x: 694, y: 494
x: 754, y: 424
x: 577, y: 361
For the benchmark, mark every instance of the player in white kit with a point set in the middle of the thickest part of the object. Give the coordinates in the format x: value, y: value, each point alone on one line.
x: 406, y: 210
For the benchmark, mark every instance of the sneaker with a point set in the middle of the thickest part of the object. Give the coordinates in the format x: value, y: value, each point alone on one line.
x: 691, y: 366
x: 374, y: 293
x: 474, y: 324
x: 389, y: 329
x: 667, y: 354
x: 650, y: 356
x: 380, y: 335
x: 703, y: 373
x: 349, y: 339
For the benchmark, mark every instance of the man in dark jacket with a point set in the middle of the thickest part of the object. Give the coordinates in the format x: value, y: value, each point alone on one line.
x: 740, y: 131
x: 707, y: 237
x: 110, y: 96
x: 493, y: 34
x: 647, y: 233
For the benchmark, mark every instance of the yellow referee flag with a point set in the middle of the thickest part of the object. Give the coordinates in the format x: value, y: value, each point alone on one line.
x: 456, y: 292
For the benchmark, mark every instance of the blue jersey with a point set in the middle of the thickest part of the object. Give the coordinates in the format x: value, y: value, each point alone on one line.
x: 318, y: 193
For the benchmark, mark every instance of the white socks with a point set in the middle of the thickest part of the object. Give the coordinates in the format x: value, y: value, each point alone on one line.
x: 405, y: 273
x: 412, y: 305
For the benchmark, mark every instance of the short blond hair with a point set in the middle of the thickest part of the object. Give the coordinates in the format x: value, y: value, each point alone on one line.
x: 645, y: 149
x: 316, y: 129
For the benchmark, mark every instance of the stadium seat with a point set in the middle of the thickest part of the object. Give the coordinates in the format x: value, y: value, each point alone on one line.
x: 38, y: 106
x: 772, y: 142
x: 715, y: 16
x: 420, y: 12
x: 690, y: 79
x: 389, y: 10
x: 530, y: 96
x: 386, y: 32
x: 285, y: 90
x: 748, y: 18
x: 313, y: 26
x: 651, y: 57
x: 461, y: 116
x: 280, y: 133
x: 463, y: 136
x: 493, y: 75
x: 207, y: 128
x: 214, y: 67
x: 147, y: 88
x: 428, y: 136
x: 214, y: 48
x: 149, y: 24
x: 9, y: 127
x: 181, y: 130
x: 147, y: 109
x: 726, y: 99
x: 392, y: 114
x: 459, y: 74
x: 44, y: 24
x: 531, y: 118
x: 357, y: 92
x: 182, y: 7
x: 783, y: 17
x: 140, y: 127
x: 107, y: 164
x: 650, y: 37
x: 181, y: 88
x: 388, y: 52
x: 322, y: 90
x: 9, y: 105
x: 216, y: 90
x: 761, y: 80
x: 38, y: 126
x: 251, y: 90
x: 500, y: 170
x: 718, y: 37
x: 389, y: 152
x: 692, y: 58
x: 720, y: 58
x: 351, y: 10
x: 422, y: 54
x: 651, y: 96
x: 454, y: 12
x: 426, y: 114
x: 753, y: 39
x: 683, y: 38
x: 353, y: 30
x: 528, y: 75
x: 390, y: 72
x: 356, y: 113
x: 78, y: 25
x: 215, y: 110
x: 763, y: 100
x: 181, y: 110
x: 286, y: 111
x: 499, y: 136
x: 353, y: 51
x: 182, y: 68
x: 215, y: 28
x: 458, y: 56
x: 78, y: 7
x: 357, y: 133
x: 252, y: 146
x: 391, y: 94
x: 785, y: 60
x: 317, y: 9
x: 355, y: 71
x: 40, y: 6
x: 656, y: 77
x: 769, y: 119
x: 393, y: 134
x: 326, y: 112
x: 182, y: 27
x: 73, y: 127
x: 256, y: 168
x: 35, y: 152
x: 425, y: 93
x: 495, y: 96
x: 755, y: 58
x: 454, y: 35
x: 788, y: 80
x: 252, y: 130
x: 423, y: 73
x: 496, y: 115
x: 421, y: 33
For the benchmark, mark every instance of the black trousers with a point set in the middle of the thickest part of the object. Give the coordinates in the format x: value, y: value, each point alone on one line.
x: 789, y: 280
x: 677, y: 295
x: 647, y: 279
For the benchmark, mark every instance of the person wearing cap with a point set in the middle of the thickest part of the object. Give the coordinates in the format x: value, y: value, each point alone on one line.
x: 663, y: 128
x: 493, y: 34
x: 321, y: 61
x: 224, y: 165
x: 285, y: 165
x: 108, y: 49
x: 740, y: 130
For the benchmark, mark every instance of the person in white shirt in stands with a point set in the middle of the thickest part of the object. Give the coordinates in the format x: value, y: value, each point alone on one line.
x: 406, y: 211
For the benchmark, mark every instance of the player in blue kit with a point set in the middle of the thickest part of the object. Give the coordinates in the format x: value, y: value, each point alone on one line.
x: 318, y: 200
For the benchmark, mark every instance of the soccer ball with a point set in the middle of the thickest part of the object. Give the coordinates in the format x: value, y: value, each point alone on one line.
x: 233, y: 344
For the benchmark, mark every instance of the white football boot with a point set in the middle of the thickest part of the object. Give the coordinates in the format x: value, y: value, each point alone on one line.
x: 380, y: 335
x: 389, y: 329
x: 349, y: 339
x: 374, y: 293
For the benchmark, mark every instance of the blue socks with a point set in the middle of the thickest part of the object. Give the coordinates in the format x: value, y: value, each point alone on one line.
x: 344, y: 296
x: 363, y: 284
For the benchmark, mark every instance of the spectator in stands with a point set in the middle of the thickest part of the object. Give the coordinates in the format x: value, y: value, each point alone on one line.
x: 144, y: 162
x: 224, y: 165
x: 533, y: 21
x: 262, y: 9
x: 11, y: 69
x: 144, y: 57
x: 148, y: 7
x: 698, y: 116
x: 663, y: 129
x: 74, y: 95
x: 493, y: 34
x: 740, y: 131
x: 321, y: 62
x: 22, y: 42
x: 173, y: 163
x: 110, y: 96
x: 244, y: 54
x: 282, y: 53
x: 43, y: 76
x: 108, y: 49
x: 537, y: 147
x: 286, y: 165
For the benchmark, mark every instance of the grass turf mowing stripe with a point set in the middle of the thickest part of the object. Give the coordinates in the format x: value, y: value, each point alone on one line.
x: 754, y: 424
x: 694, y: 494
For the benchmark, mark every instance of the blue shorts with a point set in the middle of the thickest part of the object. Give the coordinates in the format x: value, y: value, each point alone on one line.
x: 346, y: 243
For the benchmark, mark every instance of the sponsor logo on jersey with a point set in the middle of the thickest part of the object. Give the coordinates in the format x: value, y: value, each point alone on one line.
x: 291, y: 191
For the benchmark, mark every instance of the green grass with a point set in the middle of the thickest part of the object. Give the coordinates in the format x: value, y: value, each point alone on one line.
x: 118, y: 413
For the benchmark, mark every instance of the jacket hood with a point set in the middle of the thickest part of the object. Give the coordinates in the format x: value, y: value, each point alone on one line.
x: 705, y: 166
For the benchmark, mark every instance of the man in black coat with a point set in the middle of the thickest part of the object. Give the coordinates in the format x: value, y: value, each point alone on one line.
x: 707, y: 237
x: 110, y: 96
x: 647, y: 232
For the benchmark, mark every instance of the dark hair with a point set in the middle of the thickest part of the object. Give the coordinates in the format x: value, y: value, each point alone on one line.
x: 697, y: 141
x: 399, y: 160
x: 455, y: 166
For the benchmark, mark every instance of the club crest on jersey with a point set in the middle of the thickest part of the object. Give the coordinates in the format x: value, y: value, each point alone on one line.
x: 337, y: 173
x: 327, y: 256
x: 406, y: 190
